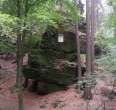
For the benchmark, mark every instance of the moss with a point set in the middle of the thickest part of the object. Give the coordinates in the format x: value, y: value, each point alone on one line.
x: 42, y: 63
x: 50, y: 75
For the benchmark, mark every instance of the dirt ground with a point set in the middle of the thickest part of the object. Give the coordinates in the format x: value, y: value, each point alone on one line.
x: 61, y: 100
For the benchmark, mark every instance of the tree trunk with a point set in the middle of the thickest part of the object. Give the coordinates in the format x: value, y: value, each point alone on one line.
x: 19, y: 78
x: 92, y: 33
x: 26, y: 9
x: 87, y: 91
x: 88, y: 51
x: 78, y: 52
x: 78, y: 48
x: 19, y: 59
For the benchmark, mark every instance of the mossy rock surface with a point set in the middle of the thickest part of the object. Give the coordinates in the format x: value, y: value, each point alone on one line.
x: 50, y: 80
x: 42, y: 61
x: 51, y: 75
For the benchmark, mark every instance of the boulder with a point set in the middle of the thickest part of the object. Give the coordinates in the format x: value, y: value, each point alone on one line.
x: 52, y: 64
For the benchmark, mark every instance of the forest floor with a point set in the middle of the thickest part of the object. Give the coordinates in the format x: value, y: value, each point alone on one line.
x: 61, y: 100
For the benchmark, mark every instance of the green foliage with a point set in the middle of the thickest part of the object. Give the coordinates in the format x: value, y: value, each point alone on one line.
x: 37, y: 15
x: 6, y: 45
x: 112, y: 21
x: 41, y: 13
x: 109, y: 61
x: 7, y: 24
x: 103, y: 42
x: 6, y: 48
x: 45, y: 14
x: 112, y: 2
x: 72, y: 10
x: 30, y: 42
x: 9, y: 7
x: 101, y: 39
x: 112, y: 17
x: 54, y: 12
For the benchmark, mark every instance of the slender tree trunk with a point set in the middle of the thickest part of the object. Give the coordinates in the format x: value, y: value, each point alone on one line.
x: 88, y: 51
x: 78, y: 52
x: 19, y: 78
x: 26, y: 9
x: 19, y: 59
x: 87, y: 91
x: 78, y: 47
x: 92, y: 33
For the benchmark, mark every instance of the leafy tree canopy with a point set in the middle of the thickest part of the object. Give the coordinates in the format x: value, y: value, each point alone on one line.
x: 7, y: 24
x: 42, y: 12
x: 36, y: 15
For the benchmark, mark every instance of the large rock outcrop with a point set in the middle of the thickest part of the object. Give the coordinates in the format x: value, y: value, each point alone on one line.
x: 52, y: 64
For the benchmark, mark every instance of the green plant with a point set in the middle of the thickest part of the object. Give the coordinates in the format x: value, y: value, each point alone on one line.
x: 108, y: 61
